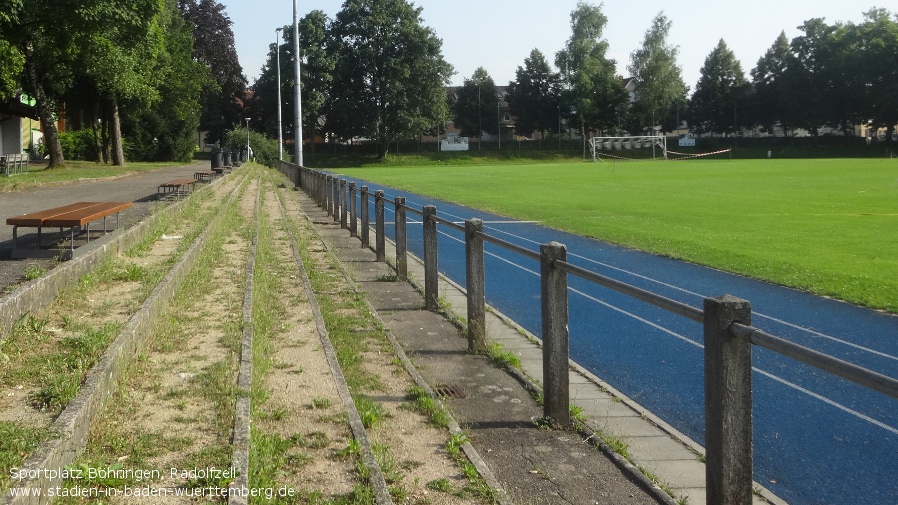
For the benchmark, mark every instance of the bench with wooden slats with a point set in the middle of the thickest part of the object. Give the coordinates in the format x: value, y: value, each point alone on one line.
x: 205, y: 176
x: 177, y: 188
x: 75, y: 215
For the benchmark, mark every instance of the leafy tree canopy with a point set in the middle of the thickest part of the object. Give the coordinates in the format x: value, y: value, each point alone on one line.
x: 720, y: 88
x: 592, y: 89
x: 532, y: 97
x: 391, y: 72
x: 222, y: 98
x: 476, y: 105
x: 659, y: 79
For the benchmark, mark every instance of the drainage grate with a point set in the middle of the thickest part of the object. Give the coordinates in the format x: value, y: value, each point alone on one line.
x: 450, y: 390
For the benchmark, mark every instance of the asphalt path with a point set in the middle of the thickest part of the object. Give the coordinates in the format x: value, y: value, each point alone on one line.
x: 139, y: 188
x: 817, y: 438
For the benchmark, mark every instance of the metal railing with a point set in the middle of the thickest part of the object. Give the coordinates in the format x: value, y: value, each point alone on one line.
x: 728, y: 333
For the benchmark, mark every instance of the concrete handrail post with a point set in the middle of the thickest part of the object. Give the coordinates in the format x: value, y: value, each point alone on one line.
x: 366, y: 224
x: 380, y: 246
x: 431, y: 261
x: 335, y: 199
x: 353, y: 211
x: 401, y: 240
x: 474, y: 268
x: 728, y: 397
x: 322, y: 190
x: 553, y: 288
x: 343, y: 206
x: 331, y: 192
x: 326, y: 197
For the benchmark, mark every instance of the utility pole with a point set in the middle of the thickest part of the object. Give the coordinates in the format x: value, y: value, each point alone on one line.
x: 297, y: 108
x: 277, y: 48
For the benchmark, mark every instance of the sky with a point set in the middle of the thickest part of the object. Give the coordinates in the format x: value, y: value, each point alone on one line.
x: 499, y: 35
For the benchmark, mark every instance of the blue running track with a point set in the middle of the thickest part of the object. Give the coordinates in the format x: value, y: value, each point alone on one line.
x: 818, y: 439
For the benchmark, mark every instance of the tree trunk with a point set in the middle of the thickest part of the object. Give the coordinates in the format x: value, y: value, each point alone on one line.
x: 118, y: 152
x: 51, y: 134
x: 98, y: 141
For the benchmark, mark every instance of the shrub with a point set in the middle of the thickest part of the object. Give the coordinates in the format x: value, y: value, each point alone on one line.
x: 265, y: 150
x: 79, y: 145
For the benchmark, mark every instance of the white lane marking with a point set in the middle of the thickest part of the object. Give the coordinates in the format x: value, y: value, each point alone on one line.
x: 759, y: 314
x: 699, y: 345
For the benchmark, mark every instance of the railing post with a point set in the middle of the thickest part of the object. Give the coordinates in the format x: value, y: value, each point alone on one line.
x: 322, y: 191
x: 431, y: 262
x: 728, y: 403
x: 343, y: 207
x: 322, y: 202
x: 328, y: 194
x: 401, y: 241
x: 380, y: 246
x: 353, y: 211
x: 335, y: 198
x: 556, y: 392
x: 366, y: 225
x: 475, y: 285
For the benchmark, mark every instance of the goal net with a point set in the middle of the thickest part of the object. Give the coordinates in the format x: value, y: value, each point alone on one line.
x: 654, y: 142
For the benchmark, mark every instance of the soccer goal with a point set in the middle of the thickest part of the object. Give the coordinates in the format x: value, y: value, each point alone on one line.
x: 627, y: 143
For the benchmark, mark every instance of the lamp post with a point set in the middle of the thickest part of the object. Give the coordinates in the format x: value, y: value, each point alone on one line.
x: 277, y: 48
x: 247, y: 139
x: 297, y: 108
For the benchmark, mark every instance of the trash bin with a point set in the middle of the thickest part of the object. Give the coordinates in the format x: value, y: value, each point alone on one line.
x: 217, y: 158
x: 227, y: 158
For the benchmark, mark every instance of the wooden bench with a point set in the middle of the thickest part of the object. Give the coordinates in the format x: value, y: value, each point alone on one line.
x: 76, y: 215
x: 177, y: 188
x: 12, y: 164
x: 205, y: 176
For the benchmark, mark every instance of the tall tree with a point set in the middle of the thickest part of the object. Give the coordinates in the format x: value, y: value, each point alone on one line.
x: 475, y: 108
x: 596, y: 94
x: 222, y: 101
x: 55, y: 35
x: 116, y: 60
x: 317, y: 70
x: 391, y: 72
x: 721, y: 89
x: 874, y: 50
x: 533, y: 96
x: 771, y: 102
x: 810, y: 77
x: 165, y: 129
x: 317, y: 73
x: 659, y: 79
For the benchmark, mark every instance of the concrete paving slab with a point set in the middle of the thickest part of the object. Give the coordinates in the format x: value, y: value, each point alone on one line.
x: 659, y: 447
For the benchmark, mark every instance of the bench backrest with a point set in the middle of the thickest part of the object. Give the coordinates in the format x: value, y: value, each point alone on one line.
x: 15, y: 164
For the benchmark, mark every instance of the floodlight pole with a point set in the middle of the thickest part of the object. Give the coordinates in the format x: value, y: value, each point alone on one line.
x: 297, y: 108
x: 499, y: 122
x: 277, y: 48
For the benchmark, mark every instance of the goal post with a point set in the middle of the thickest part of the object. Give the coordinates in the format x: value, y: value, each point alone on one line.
x: 631, y: 142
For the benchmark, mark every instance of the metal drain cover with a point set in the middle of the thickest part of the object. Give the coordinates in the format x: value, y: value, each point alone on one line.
x: 450, y: 390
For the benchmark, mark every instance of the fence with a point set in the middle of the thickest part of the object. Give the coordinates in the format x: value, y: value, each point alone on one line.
x: 728, y: 333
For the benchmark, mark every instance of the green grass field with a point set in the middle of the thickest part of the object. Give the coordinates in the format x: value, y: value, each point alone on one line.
x: 829, y: 226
